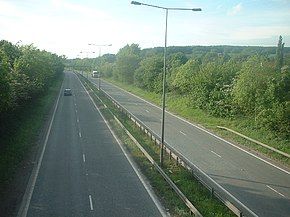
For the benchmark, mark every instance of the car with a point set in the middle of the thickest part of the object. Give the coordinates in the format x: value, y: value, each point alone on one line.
x: 67, y: 92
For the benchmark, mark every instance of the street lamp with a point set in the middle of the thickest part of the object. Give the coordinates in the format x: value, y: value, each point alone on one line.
x: 100, y: 46
x: 87, y: 55
x: 164, y: 66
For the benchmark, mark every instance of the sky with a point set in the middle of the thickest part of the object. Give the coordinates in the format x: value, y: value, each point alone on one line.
x: 66, y: 27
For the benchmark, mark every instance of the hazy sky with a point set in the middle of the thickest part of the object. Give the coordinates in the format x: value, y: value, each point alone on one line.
x: 66, y: 27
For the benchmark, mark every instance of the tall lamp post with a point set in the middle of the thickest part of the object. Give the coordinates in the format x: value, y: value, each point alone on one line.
x: 87, y: 55
x: 164, y: 66
x: 100, y: 47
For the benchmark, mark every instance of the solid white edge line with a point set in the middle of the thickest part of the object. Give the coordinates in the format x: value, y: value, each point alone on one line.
x: 276, y: 191
x: 252, y: 213
x: 91, y: 202
x: 253, y: 155
x: 215, y: 154
x: 151, y: 194
x: 34, y: 175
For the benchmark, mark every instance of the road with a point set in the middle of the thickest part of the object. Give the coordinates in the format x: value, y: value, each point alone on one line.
x: 257, y: 183
x: 84, y: 172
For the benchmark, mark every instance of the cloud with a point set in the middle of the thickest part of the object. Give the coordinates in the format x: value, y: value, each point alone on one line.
x: 236, y: 9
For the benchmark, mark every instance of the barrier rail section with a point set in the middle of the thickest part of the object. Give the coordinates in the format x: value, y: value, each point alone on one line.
x: 216, y: 189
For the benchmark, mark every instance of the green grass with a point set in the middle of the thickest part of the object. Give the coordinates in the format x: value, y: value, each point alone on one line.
x: 17, y: 143
x: 196, y: 192
x: 179, y: 105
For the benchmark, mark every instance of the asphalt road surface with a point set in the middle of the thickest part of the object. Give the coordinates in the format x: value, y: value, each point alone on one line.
x: 84, y: 171
x: 257, y: 183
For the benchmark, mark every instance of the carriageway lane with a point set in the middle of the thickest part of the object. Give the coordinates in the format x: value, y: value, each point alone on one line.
x: 84, y: 171
x: 262, y: 187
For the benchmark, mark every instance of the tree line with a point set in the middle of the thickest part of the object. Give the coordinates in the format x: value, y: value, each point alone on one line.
x: 25, y: 73
x: 224, y: 81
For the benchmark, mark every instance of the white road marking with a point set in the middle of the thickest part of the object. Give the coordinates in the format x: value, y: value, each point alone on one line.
x: 84, y: 158
x: 76, y: 111
x: 216, y: 154
x: 150, y: 192
x: 275, y: 191
x: 182, y: 133
x: 204, y: 130
x: 80, y: 134
x: 91, y: 203
x: 147, y: 111
x: 32, y: 180
x: 78, y: 120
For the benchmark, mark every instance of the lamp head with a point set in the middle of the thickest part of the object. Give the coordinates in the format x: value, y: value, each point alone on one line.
x: 135, y: 3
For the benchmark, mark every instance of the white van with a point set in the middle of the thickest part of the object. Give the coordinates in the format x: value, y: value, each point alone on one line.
x: 95, y: 74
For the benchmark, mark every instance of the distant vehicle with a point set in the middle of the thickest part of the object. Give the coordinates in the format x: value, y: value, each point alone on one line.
x: 67, y: 92
x: 95, y: 74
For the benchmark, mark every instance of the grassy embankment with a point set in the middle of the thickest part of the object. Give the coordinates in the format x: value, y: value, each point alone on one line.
x: 195, y: 192
x: 178, y: 105
x: 22, y: 133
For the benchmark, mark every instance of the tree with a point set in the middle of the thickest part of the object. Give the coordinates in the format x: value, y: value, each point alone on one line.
x: 252, y: 84
x: 6, y: 90
x: 212, y: 87
x: 183, y: 81
x: 174, y: 62
x: 149, y: 74
x: 280, y: 54
x: 127, y: 62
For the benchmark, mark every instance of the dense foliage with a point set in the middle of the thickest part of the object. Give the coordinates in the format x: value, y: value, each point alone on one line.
x: 225, y: 81
x: 25, y: 73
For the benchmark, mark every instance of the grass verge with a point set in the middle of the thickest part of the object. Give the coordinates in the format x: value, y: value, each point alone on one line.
x: 179, y: 105
x: 28, y: 121
x: 202, y: 199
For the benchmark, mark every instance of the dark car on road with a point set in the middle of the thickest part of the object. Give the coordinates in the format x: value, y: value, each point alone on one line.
x: 67, y: 92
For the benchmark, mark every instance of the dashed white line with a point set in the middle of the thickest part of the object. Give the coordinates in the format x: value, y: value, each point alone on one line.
x: 216, y: 154
x: 80, y: 134
x: 76, y: 111
x: 204, y: 130
x: 147, y: 111
x: 275, y: 191
x: 84, y: 158
x: 78, y: 120
x: 182, y: 133
x: 91, y: 203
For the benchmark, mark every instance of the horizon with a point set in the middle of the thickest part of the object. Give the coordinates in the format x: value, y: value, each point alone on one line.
x: 66, y: 27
